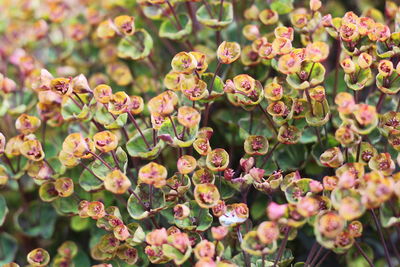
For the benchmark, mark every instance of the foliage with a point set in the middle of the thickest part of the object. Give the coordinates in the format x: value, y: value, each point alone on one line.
x: 199, y: 133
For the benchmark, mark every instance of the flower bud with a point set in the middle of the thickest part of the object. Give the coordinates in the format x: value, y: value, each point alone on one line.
x: 38, y: 257
x: 188, y: 116
x: 276, y: 211
x: 64, y: 186
x: 121, y: 232
x: 117, y: 182
x: 268, y: 232
x: 105, y: 141
x: 32, y: 149
x: 96, y: 210
x: 247, y: 163
x: 228, y: 52
x: 204, y: 249
x: 217, y: 160
x: 268, y: 17
x: 103, y: 93
x: 315, y: 5
x: 125, y: 24
x: 186, y: 164
x: 206, y: 195
x: 385, y: 68
x: 219, y: 232
x: 364, y: 60
x: 348, y: 65
x: 27, y: 124
x: 153, y: 174
x: 184, y: 62
x: 332, y: 157
x: 181, y: 211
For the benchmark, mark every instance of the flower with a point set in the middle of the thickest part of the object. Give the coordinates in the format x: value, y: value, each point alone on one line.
x: 117, y: 182
x: 228, y: 52
x: 153, y: 174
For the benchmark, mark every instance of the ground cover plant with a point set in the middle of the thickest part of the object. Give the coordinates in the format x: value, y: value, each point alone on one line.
x: 199, y: 133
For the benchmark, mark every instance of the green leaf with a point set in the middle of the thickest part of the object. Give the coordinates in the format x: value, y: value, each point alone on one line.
x: 3, y: 210
x: 168, y: 28
x: 259, y: 127
x: 360, y: 79
x: 102, y: 170
x: 167, y: 133
x: 81, y: 259
x: 137, y: 46
x: 136, y: 146
x: 70, y: 110
x: 292, y: 157
x: 105, y: 118
x: 177, y: 255
x: 79, y: 224
x: 199, y: 219
x: 8, y: 248
x: 135, y: 207
x: 387, y: 213
x: 89, y: 182
x: 66, y: 206
x: 214, y: 20
x: 355, y: 259
x: 282, y: 6
x: 316, y: 72
x: 37, y: 220
x: 392, y: 87
x: 218, y: 86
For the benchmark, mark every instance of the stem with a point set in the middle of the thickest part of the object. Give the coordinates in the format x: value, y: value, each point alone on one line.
x: 102, y: 160
x: 8, y: 161
x: 76, y: 102
x: 269, y: 119
x: 138, y: 128
x: 171, y: 8
x: 309, y: 102
x: 206, y: 112
x: 90, y: 171
x: 173, y: 126
x: 150, y: 196
x: 316, y: 256
x: 282, y: 246
x: 219, y: 65
x: 318, y: 135
x: 218, y: 32
x: 358, y: 152
x: 323, y: 258
x: 130, y: 190
x: 44, y: 133
x: 48, y: 164
x: 361, y: 251
x: 123, y: 130
x: 80, y: 99
x: 263, y: 260
x: 398, y: 105
x: 245, y: 256
x: 207, y: 8
x: 380, y: 102
x: 378, y: 226
x: 311, y: 254
x: 114, y: 156
x: 269, y: 154
x: 251, y: 122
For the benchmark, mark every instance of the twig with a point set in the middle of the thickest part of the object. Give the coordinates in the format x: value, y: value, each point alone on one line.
x: 378, y: 226
x: 282, y: 246
x: 361, y: 251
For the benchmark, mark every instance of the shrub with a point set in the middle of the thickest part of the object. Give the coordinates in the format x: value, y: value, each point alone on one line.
x: 199, y: 133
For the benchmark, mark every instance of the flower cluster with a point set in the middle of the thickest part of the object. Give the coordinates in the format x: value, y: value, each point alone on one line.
x: 199, y: 133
